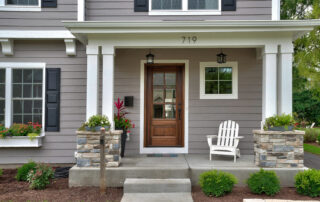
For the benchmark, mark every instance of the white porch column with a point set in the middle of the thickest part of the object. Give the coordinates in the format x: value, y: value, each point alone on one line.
x: 108, y: 83
x: 285, y: 79
x: 92, y: 81
x: 269, y: 85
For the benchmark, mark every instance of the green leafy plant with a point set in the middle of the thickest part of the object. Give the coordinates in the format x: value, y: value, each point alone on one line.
x: 1, y: 172
x: 311, y: 134
x: 217, y: 183
x: 40, y: 178
x: 97, y: 120
x: 24, y: 170
x: 32, y: 136
x: 264, y: 182
x: 20, y: 129
x: 279, y: 121
x: 308, y: 182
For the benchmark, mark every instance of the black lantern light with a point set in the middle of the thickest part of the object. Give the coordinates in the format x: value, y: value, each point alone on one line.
x: 221, y: 57
x: 150, y: 58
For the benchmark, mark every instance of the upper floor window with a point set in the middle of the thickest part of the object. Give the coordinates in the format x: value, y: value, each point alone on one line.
x: 23, y: 2
x: 185, y: 7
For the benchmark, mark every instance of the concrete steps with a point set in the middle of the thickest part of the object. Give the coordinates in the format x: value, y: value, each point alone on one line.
x: 157, y: 190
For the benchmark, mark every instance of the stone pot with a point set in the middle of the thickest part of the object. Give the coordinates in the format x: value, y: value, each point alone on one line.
x: 281, y: 128
x: 123, y: 141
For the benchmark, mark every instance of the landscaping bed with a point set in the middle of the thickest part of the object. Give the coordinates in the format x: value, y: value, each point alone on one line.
x: 58, y: 190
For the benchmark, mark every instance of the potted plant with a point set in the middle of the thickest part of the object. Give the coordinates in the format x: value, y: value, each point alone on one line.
x: 279, y: 123
x: 95, y: 123
x: 122, y: 123
x: 21, y: 135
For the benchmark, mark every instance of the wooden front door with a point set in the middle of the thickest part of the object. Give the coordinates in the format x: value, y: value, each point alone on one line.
x: 164, y: 109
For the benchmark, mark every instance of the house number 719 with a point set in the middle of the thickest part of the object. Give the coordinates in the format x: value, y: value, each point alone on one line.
x: 189, y: 39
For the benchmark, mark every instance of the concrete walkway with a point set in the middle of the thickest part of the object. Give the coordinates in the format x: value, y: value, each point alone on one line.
x: 311, y: 160
x: 274, y: 200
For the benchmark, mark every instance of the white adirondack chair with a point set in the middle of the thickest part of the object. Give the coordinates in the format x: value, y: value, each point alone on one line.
x: 312, y: 125
x: 227, y: 140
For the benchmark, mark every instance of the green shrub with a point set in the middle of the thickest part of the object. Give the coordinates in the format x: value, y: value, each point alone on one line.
x: 319, y: 139
x: 1, y: 172
x: 40, y: 178
x: 264, y: 182
x: 311, y: 134
x: 23, y: 171
x: 279, y: 120
x: 217, y: 183
x: 308, y: 183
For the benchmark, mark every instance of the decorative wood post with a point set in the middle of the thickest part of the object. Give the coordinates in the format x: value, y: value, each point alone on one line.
x: 102, y: 162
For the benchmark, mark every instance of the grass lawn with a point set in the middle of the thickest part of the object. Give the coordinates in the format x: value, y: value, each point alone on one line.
x: 311, y: 148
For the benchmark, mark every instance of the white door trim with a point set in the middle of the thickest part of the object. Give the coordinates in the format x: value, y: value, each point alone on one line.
x: 165, y: 150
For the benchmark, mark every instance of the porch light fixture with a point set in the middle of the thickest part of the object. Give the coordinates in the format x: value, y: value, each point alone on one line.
x: 150, y: 58
x: 221, y: 57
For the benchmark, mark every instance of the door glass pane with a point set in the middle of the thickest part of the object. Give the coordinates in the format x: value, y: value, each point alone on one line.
x: 211, y: 73
x: 158, y: 78
x: 170, y: 111
x: 157, y: 111
x: 170, y: 79
x: 171, y: 95
x: 157, y: 95
x: 203, y: 4
x: 225, y: 73
x: 225, y: 87
x: 211, y: 87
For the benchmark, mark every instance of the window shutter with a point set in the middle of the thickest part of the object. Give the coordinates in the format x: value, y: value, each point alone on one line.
x: 141, y: 5
x: 229, y: 5
x: 49, y: 3
x: 53, y: 76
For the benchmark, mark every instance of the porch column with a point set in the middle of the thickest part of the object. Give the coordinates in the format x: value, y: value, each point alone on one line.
x: 269, y: 89
x: 92, y: 81
x: 108, y: 83
x: 285, y: 79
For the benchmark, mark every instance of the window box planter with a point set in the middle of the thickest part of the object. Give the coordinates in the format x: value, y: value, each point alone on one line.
x: 21, y: 141
x: 281, y: 128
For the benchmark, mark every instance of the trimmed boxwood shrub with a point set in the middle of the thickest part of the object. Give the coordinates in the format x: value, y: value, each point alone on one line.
x: 264, y: 182
x: 217, y: 183
x: 24, y: 170
x: 308, y: 182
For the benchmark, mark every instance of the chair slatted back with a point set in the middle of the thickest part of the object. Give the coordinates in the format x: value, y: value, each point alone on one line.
x: 228, y: 130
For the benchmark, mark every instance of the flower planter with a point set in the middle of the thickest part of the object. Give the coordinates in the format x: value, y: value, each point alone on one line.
x: 21, y: 141
x: 278, y: 149
x: 97, y: 128
x: 281, y: 128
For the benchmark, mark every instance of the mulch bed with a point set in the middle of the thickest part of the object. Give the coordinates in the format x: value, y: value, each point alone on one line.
x: 240, y: 193
x: 58, y: 190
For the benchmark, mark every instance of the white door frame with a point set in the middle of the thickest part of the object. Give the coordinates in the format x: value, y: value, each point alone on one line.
x: 165, y: 150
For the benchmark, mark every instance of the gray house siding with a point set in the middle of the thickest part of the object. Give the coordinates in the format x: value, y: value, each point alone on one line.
x: 204, y: 115
x: 47, y: 19
x: 58, y: 147
x: 122, y: 10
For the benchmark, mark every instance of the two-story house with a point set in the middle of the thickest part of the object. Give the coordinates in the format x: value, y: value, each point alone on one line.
x: 63, y: 61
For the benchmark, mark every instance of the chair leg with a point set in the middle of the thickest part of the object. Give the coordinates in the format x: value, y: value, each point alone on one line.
x: 210, y: 156
x: 235, y: 158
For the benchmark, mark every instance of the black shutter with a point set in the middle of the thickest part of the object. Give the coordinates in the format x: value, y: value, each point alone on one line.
x: 229, y: 5
x: 53, y: 76
x: 141, y: 5
x: 49, y: 3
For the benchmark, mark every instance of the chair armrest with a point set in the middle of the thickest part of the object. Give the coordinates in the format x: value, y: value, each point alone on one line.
x: 236, y: 140
x: 239, y: 137
x: 209, y: 139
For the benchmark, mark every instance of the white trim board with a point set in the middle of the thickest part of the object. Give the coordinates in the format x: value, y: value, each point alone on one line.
x: 165, y: 150
x: 53, y: 34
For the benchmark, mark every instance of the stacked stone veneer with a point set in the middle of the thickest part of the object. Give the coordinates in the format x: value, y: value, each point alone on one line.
x: 276, y: 149
x: 88, y: 148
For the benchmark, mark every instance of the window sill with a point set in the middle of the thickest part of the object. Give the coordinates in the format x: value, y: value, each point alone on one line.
x: 20, y: 8
x: 21, y: 142
x: 189, y: 12
x: 219, y: 97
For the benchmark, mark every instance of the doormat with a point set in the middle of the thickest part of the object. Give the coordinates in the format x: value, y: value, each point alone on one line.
x: 162, y: 155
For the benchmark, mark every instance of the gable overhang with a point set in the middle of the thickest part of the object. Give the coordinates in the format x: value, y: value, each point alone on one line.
x: 294, y: 28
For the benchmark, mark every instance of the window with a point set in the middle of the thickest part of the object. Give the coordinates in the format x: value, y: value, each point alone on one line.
x: 2, y: 94
x: 218, y: 81
x: 185, y: 7
x: 26, y: 95
x: 22, y: 2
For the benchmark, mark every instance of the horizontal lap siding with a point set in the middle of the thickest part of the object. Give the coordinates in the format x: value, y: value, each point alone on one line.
x: 204, y: 115
x: 111, y: 10
x: 47, y: 19
x: 58, y: 147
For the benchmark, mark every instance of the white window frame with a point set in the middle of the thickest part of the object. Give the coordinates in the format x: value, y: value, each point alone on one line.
x: 234, y: 94
x: 4, y: 7
x: 8, y: 66
x: 185, y: 10
x: 5, y: 90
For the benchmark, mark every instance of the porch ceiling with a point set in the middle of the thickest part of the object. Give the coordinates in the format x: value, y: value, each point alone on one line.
x: 297, y: 28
